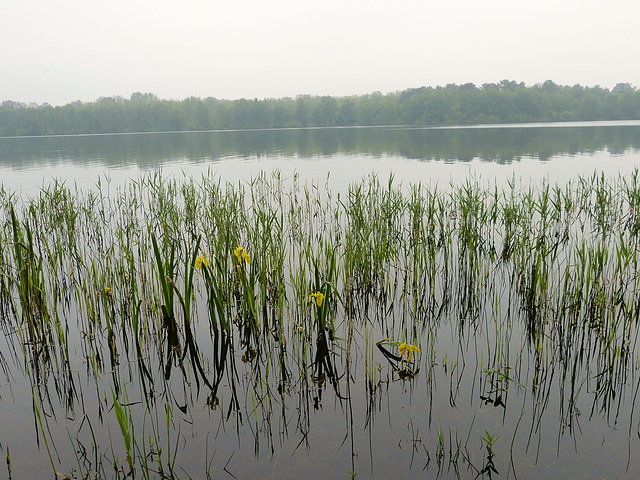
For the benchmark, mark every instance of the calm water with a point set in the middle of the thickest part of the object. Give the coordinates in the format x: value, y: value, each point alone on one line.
x: 429, y: 427
x: 556, y: 152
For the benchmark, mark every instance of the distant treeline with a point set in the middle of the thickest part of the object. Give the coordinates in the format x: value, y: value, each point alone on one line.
x: 504, y: 102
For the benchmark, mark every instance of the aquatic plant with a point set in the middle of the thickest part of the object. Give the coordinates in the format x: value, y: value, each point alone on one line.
x: 263, y: 298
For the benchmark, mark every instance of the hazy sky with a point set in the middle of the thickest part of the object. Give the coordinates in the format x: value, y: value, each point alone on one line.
x: 58, y: 51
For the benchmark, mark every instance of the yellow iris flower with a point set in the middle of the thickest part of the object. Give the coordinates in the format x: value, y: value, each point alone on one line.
x: 318, y: 296
x: 202, y: 260
x: 241, y: 254
x: 407, y: 348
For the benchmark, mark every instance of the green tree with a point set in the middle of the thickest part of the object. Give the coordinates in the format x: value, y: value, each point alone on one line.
x: 302, y: 115
x: 346, y: 113
x: 325, y: 112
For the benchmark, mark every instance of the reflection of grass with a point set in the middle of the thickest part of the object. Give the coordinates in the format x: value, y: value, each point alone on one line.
x: 489, y: 467
x: 284, y: 280
x: 9, y: 462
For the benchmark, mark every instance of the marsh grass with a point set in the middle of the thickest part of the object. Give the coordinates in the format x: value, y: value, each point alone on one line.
x: 195, y: 282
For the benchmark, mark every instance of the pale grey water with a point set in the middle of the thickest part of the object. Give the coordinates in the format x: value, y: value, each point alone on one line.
x: 528, y: 154
x: 400, y: 438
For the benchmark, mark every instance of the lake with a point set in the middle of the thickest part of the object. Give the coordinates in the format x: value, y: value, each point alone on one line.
x: 437, y: 155
x: 350, y: 302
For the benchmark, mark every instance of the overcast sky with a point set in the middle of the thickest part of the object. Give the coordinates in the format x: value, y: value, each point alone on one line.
x: 58, y: 51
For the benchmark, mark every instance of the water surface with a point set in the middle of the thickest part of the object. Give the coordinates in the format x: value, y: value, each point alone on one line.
x: 531, y: 153
x: 568, y: 400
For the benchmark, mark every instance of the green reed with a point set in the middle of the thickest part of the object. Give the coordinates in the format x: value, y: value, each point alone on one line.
x: 125, y: 428
x: 283, y: 275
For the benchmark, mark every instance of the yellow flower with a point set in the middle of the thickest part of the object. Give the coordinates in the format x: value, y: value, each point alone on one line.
x: 241, y: 254
x: 108, y: 291
x: 202, y: 260
x: 405, y: 347
x: 318, y: 296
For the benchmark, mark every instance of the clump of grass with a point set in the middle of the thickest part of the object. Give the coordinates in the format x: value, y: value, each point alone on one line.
x: 284, y: 280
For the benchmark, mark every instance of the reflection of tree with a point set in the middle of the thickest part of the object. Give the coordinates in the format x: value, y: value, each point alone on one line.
x: 501, y: 145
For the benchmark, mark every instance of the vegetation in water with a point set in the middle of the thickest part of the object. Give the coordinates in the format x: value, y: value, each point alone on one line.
x: 149, y: 319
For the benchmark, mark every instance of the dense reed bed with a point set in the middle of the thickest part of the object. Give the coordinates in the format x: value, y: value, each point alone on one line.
x: 141, y: 312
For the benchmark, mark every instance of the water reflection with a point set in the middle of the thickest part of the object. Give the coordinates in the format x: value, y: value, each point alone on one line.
x: 184, y: 329
x: 500, y: 144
